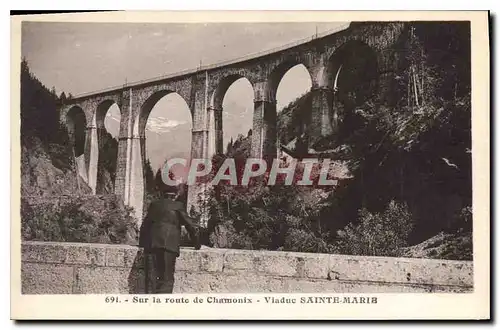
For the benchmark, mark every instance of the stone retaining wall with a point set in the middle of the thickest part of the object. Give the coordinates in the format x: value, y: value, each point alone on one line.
x: 75, y: 268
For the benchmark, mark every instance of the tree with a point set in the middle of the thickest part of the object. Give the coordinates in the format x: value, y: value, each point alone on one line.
x: 40, y: 118
x: 150, y: 177
x: 229, y: 147
x: 404, y: 146
x: 108, y: 152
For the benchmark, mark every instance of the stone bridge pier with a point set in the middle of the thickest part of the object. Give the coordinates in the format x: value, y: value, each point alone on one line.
x: 346, y: 67
x: 264, y: 127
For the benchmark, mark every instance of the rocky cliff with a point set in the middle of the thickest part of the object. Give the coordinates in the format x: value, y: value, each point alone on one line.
x: 41, y: 176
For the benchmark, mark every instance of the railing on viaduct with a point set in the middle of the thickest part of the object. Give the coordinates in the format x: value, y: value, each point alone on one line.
x: 219, y: 64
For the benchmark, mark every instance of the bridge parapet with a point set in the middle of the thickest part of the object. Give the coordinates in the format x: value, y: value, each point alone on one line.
x: 77, y: 268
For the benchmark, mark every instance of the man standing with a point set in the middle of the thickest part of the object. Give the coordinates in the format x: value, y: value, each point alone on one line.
x: 161, y: 236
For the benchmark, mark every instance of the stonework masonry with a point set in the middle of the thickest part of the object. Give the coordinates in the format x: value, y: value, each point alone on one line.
x: 77, y: 268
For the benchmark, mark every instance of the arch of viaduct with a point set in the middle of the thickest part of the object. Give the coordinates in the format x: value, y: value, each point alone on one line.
x: 204, y: 88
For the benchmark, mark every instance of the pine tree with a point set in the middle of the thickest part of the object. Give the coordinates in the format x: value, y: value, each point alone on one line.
x: 150, y: 177
x: 229, y: 148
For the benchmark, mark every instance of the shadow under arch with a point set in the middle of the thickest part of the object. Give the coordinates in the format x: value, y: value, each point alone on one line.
x: 76, y: 123
x: 107, y: 156
x: 353, y: 75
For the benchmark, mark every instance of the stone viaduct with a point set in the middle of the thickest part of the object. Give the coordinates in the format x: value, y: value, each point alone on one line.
x: 358, y: 57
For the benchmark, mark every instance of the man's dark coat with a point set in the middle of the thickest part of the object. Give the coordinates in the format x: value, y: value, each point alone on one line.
x: 161, y: 227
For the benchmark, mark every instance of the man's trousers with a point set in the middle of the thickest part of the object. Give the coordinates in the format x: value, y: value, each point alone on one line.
x: 160, y: 270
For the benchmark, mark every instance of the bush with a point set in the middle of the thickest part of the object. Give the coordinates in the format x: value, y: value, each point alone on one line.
x: 449, y: 246
x: 377, y: 234
x: 261, y: 217
x: 463, y: 220
x: 86, y: 219
x: 300, y: 240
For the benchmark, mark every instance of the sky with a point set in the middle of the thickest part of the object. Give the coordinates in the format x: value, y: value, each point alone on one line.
x: 83, y: 57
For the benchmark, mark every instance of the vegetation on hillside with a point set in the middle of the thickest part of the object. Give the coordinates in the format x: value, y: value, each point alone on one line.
x: 87, y: 219
x: 409, y: 156
x: 40, y: 120
x: 55, y: 203
x: 108, y: 153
